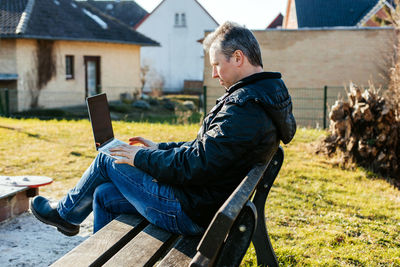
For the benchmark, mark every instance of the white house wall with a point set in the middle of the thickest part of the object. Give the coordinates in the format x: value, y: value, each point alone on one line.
x: 180, y: 57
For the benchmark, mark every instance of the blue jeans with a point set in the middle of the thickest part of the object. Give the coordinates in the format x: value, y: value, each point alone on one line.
x: 110, y: 189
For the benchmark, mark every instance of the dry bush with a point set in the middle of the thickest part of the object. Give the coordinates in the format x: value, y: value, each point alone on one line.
x: 157, y: 86
x: 393, y: 93
x: 43, y: 70
x: 365, y: 129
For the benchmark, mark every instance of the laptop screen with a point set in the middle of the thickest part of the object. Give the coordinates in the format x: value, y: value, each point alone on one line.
x: 99, y: 115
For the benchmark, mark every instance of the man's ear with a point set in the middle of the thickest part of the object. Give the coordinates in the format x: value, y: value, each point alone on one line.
x: 238, y: 57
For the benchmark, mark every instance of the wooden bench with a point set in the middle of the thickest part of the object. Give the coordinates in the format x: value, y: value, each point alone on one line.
x: 131, y: 241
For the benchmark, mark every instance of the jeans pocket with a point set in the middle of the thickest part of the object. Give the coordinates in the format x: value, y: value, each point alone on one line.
x: 162, y: 219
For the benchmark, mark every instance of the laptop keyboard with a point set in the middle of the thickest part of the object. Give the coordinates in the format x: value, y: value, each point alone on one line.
x: 106, y: 149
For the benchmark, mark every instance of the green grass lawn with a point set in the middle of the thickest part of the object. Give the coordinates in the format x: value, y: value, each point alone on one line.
x: 318, y: 214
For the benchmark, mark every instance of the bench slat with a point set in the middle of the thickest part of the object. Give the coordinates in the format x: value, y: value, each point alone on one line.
x: 144, y: 249
x: 182, y: 253
x: 106, y: 242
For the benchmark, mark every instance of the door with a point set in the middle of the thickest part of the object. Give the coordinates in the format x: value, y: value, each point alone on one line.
x: 92, y: 75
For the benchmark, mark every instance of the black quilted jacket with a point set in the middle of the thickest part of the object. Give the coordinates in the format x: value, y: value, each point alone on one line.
x: 244, y: 127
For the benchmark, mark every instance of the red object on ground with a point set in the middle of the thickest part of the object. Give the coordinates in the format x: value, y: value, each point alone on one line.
x: 25, y: 180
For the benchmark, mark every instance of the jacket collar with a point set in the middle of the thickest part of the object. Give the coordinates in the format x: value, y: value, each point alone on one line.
x: 253, y: 78
x: 248, y: 80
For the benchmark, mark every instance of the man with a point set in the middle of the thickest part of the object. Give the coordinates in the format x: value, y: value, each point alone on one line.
x: 180, y: 186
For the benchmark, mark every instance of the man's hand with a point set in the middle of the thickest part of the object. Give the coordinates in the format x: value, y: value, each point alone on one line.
x: 140, y: 140
x: 126, y: 152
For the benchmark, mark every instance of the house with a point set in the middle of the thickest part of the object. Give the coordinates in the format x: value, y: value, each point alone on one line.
x: 127, y: 11
x: 177, y: 25
x: 55, y: 53
x: 334, y: 13
x: 276, y: 22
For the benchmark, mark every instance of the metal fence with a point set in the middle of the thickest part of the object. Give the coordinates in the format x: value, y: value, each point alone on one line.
x: 311, y: 106
x: 12, y: 100
x: 19, y: 103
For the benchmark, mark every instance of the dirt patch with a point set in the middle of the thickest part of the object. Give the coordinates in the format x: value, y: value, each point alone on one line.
x: 25, y: 241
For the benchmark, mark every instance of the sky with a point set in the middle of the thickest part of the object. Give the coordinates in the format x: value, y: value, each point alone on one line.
x: 254, y: 14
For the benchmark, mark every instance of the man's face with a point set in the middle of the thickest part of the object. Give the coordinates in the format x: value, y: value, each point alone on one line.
x: 223, y: 69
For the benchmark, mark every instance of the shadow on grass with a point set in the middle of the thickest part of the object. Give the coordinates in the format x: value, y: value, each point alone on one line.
x: 33, y: 135
x: 371, y: 174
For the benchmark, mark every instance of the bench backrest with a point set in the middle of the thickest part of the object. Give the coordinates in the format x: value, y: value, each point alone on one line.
x: 239, y: 210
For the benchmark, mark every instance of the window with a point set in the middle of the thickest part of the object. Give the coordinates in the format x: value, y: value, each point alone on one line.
x: 180, y: 20
x: 176, y: 19
x: 69, y: 67
x: 183, y: 20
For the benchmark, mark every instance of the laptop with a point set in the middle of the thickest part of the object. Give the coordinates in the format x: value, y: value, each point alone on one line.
x: 99, y: 115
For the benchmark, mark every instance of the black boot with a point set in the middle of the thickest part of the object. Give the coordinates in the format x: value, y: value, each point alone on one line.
x: 42, y: 210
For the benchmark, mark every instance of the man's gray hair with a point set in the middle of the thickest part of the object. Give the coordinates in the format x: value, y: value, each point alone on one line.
x: 230, y: 37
